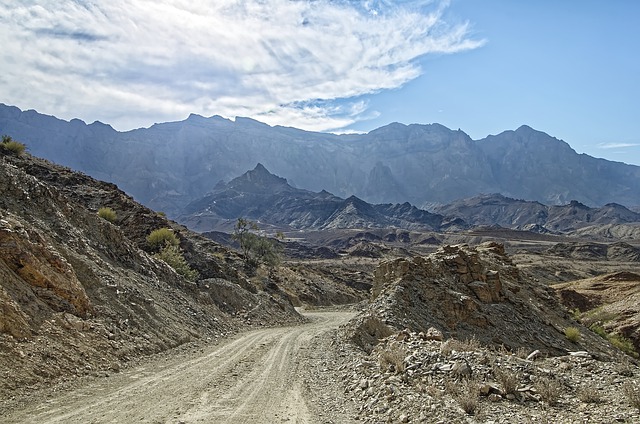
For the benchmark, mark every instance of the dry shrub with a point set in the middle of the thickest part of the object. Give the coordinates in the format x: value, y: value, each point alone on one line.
x: 392, y: 358
x: 549, y: 390
x: 468, y: 345
x: 508, y: 379
x: 467, y: 396
x: 433, y: 391
x: 522, y: 352
x: 632, y: 393
x: 590, y: 394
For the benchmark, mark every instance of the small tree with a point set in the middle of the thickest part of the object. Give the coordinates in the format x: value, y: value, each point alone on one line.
x: 243, y: 235
x: 255, y: 248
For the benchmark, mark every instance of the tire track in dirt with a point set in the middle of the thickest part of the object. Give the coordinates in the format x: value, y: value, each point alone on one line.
x: 253, y: 378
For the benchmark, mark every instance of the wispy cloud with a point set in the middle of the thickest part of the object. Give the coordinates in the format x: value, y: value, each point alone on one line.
x: 617, y: 145
x: 290, y: 62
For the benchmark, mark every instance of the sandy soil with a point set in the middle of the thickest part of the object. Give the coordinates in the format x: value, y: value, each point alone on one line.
x: 263, y: 376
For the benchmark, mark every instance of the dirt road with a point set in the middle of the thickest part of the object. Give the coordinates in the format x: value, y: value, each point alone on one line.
x: 263, y: 376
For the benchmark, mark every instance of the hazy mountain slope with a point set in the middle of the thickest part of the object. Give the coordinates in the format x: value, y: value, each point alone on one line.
x: 495, y: 209
x: 532, y: 165
x: 169, y: 165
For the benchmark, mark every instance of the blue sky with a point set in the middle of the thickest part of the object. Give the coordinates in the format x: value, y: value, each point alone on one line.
x: 568, y: 68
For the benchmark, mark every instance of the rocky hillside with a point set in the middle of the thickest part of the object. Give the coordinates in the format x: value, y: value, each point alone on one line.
x: 169, y: 165
x: 495, y: 209
x: 609, y: 302
x: 464, y: 292
x: 261, y: 196
x: 80, y: 295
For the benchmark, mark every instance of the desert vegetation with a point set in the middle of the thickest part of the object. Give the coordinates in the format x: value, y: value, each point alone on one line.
x: 159, y: 238
x: 11, y: 145
x: 172, y: 255
x: 256, y: 248
x: 108, y: 214
x: 572, y: 334
x: 168, y: 249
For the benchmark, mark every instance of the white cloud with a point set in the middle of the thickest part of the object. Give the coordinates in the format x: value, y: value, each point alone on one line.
x: 288, y: 62
x: 617, y: 145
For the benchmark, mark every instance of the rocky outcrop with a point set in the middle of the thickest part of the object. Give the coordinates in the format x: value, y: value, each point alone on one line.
x: 496, y: 209
x: 620, y: 251
x: 467, y: 292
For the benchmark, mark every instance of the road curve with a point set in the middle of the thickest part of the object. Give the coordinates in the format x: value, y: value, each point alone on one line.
x: 255, y: 377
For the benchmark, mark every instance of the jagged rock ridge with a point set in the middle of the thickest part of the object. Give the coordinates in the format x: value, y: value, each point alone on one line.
x: 496, y: 209
x: 468, y: 292
x: 261, y: 196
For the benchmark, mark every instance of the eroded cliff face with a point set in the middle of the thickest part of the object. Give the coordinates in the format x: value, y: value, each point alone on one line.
x: 36, y: 276
x: 469, y: 292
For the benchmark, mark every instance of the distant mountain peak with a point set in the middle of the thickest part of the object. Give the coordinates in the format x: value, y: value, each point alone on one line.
x: 259, y: 179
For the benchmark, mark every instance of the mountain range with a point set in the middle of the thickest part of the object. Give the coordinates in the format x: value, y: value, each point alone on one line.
x: 169, y: 165
x: 495, y: 209
x: 261, y: 196
x: 269, y: 199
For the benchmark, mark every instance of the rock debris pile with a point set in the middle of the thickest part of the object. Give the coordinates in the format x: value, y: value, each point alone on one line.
x: 419, y: 377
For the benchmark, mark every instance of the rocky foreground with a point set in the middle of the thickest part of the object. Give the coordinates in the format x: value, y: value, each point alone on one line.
x: 461, y: 335
x: 419, y: 378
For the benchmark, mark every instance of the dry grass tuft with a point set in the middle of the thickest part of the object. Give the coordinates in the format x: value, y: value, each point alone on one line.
x: 466, y: 395
x: 392, y: 358
x: 451, y: 345
x: 590, y: 394
x: 508, y: 379
x: 549, y: 390
x: 632, y: 393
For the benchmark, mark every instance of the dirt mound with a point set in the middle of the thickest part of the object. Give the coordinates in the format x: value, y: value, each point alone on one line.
x: 467, y: 292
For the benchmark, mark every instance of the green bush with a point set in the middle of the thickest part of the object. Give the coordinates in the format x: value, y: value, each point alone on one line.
x: 599, y: 330
x: 11, y: 145
x: 172, y: 255
x: 617, y: 340
x: 622, y: 343
x: 161, y: 237
x: 108, y: 214
x: 572, y: 334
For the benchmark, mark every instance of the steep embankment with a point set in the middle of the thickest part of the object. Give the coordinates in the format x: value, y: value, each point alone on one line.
x: 80, y: 295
